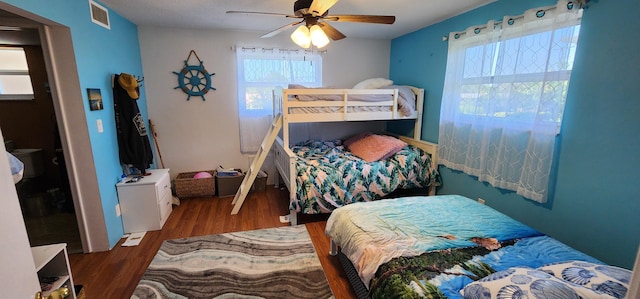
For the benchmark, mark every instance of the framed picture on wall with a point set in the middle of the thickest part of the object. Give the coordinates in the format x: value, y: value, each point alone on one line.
x: 95, y: 99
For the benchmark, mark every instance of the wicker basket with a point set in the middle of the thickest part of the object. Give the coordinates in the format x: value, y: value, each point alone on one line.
x: 187, y: 186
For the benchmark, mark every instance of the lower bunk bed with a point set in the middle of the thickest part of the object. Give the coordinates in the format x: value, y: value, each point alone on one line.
x: 323, y: 175
x: 450, y: 246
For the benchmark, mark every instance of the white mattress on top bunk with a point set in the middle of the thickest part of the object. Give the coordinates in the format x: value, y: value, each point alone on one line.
x: 334, y: 109
x: 357, y: 102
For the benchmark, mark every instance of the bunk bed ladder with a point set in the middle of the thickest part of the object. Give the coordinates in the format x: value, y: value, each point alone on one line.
x: 256, y: 164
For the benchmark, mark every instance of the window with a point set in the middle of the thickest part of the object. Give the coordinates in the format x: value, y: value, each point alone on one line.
x: 259, y: 72
x: 15, y: 82
x: 507, y: 80
x: 504, y: 96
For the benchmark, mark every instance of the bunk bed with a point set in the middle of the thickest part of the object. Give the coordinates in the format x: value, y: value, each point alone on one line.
x: 305, y: 105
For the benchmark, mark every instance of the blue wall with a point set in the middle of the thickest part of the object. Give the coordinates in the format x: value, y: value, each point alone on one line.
x: 99, y: 54
x: 596, y: 206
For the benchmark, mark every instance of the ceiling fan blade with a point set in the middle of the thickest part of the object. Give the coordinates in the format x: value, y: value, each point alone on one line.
x: 361, y: 19
x: 319, y: 7
x: 331, y: 31
x: 283, y: 28
x: 261, y: 13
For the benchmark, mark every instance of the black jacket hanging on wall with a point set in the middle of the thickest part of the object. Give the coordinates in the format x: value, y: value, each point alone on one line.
x: 133, y: 142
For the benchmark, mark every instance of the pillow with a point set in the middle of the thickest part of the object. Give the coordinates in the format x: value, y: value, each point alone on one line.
x: 602, y: 279
x: 374, y: 147
x: 356, y: 138
x: 406, y: 99
x: 525, y: 283
x: 373, y: 83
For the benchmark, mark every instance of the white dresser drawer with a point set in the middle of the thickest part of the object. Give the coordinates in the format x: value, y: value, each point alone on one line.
x: 164, y: 186
x: 165, y: 207
x: 146, y: 203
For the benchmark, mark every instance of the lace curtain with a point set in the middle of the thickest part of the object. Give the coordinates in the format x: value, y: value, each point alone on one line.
x: 503, y: 99
x: 260, y: 70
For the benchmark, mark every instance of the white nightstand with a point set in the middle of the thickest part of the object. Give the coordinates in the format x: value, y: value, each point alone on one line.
x: 145, y: 204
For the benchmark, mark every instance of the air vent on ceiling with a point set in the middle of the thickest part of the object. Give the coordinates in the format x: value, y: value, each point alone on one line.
x: 99, y: 14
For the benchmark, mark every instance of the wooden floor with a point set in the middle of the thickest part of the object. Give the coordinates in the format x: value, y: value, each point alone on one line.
x: 115, y: 273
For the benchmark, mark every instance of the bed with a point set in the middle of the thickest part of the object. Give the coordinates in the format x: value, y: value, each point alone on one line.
x: 297, y: 163
x: 450, y: 246
x: 329, y: 176
x: 303, y: 105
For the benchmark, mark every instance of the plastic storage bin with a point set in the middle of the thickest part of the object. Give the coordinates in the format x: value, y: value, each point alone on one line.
x: 228, y: 185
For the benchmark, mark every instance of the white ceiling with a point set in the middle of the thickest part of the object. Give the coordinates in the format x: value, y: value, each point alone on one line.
x: 411, y: 15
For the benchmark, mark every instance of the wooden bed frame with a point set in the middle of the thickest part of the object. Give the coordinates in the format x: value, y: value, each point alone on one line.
x: 286, y: 107
x: 285, y: 159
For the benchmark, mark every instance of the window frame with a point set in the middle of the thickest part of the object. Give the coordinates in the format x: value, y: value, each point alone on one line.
x: 272, y: 54
x: 255, y: 122
x: 491, y: 78
x: 17, y: 72
x: 499, y: 118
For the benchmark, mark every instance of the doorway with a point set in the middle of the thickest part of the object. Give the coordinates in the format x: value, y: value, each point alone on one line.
x: 64, y: 84
x: 31, y: 134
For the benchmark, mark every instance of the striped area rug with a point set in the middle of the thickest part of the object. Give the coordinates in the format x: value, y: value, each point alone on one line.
x: 267, y: 263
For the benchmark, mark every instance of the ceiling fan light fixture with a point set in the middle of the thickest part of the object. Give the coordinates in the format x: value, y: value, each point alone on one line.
x: 302, y: 37
x: 316, y: 30
x: 318, y: 37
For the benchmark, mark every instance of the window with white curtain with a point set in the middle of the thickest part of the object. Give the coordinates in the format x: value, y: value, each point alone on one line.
x: 505, y: 89
x: 259, y: 72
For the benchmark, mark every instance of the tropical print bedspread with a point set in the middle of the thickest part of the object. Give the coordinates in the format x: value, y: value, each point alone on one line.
x: 434, y: 246
x: 371, y: 234
x: 444, y: 273
x: 329, y: 176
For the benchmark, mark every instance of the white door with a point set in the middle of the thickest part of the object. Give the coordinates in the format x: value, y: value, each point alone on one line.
x: 17, y: 273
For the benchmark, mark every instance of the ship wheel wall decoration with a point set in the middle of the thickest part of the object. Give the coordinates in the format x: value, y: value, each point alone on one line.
x: 194, y: 80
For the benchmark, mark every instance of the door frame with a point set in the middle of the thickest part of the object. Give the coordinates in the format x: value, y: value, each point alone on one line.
x: 64, y: 81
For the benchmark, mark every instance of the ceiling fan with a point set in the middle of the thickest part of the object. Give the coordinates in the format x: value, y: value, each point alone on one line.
x: 316, y: 12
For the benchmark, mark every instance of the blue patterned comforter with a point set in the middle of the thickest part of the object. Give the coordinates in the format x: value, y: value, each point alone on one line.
x: 415, y: 247
x: 329, y: 176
